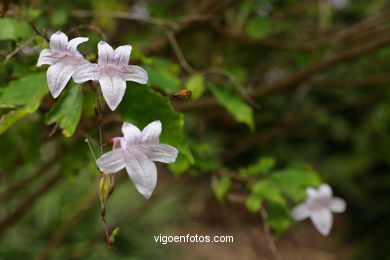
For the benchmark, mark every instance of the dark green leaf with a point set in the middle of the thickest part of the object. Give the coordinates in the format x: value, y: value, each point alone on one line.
x: 67, y: 111
x: 141, y: 106
x: 233, y: 103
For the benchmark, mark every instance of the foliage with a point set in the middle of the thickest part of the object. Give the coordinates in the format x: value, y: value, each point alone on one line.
x: 285, y: 95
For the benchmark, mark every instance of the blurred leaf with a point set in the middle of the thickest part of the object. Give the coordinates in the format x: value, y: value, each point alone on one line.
x: 12, y: 29
x: 253, y: 203
x: 267, y: 190
x: 234, y: 103
x: 67, y: 111
x: 196, y: 85
x: 260, y: 168
x: 180, y: 165
x: 24, y: 96
x: 294, y: 181
x: 221, y: 186
x: 59, y: 17
x: 258, y: 27
x: 163, y: 74
x: 141, y: 106
x: 278, y: 217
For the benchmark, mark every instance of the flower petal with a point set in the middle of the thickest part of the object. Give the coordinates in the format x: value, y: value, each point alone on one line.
x: 131, y: 133
x: 106, y: 53
x: 72, y: 45
x: 113, y: 89
x: 322, y: 220
x: 46, y: 57
x: 311, y: 192
x: 300, y: 212
x: 337, y: 205
x: 325, y: 191
x: 142, y: 171
x: 161, y: 152
x: 122, y: 55
x: 86, y: 72
x: 58, y: 76
x: 151, y: 133
x: 59, y: 42
x: 111, y: 162
x: 136, y: 74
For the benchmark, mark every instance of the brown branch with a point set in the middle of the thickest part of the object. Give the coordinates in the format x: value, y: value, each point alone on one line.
x: 40, y: 172
x: 44, y: 36
x: 26, y: 204
x: 298, y: 77
x: 67, y: 227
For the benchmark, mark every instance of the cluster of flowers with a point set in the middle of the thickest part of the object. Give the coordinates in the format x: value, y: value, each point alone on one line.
x: 136, y: 150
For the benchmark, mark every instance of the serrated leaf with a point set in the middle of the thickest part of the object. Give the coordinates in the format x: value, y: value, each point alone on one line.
x: 141, y: 106
x: 67, y: 111
x: 196, y: 85
x: 221, y: 186
x: 23, y: 96
x: 234, y: 104
x: 12, y: 29
x: 260, y: 168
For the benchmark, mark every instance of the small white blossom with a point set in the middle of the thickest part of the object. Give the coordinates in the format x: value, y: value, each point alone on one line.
x: 338, y: 4
x: 319, y: 206
x: 112, y: 72
x: 64, y: 60
x: 137, y: 152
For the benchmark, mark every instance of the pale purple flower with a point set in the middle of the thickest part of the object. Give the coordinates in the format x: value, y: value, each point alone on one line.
x: 137, y: 152
x: 319, y: 206
x: 64, y: 60
x: 112, y: 72
x: 338, y: 4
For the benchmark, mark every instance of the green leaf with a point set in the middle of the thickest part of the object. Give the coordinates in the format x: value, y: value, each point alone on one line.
x: 267, y: 190
x: 12, y: 29
x: 278, y: 217
x: 253, y: 203
x: 67, y: 111
x: 260, y: 168
x: 59, y: 17
x: 196, y: 85
x: 181, y: 165
x: 163, y: 74
x: 294, y: 181
x: 221, y: 186
x: 141, y: 106
x: 23, y: 96
x: 234, y: 103
x: 258, y: 27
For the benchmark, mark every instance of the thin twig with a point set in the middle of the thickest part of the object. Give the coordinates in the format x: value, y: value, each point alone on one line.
x: 44, y: 36
x: 89, y: 27
x: 22, y: 207
x: 268, y: 235
x: 179, y: 54
x: 9, y: 56
x: 124, y: 15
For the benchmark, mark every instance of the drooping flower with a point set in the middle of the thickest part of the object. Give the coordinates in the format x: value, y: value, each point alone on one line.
x: 137, y: 152
x: 112, y: 72
x: 319, y: 206
x: 64, y: 60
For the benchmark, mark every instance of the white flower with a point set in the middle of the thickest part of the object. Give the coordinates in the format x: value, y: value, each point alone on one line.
x: 112, y: 72
x: 338, y: 4
x: 137, y: 152
x: 64, y: 60
x: 319, y: 206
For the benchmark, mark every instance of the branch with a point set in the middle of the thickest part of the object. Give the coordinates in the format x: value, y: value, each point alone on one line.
x: 28, y: 203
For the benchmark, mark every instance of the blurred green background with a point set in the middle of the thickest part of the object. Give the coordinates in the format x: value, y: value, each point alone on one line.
x: 286, y: 94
